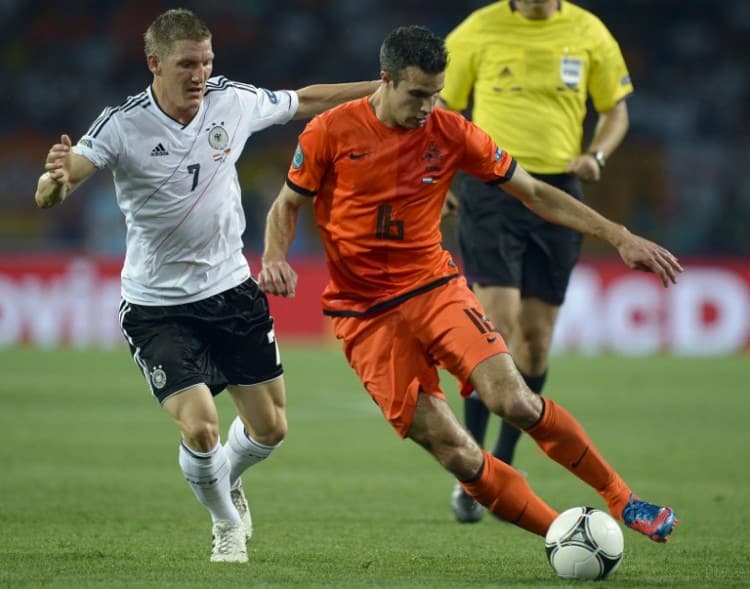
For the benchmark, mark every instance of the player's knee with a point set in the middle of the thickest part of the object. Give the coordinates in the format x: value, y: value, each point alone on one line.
x: 201, y: 435
x: 455, y: 450
x: 273, y: 432
x: 539, y: 350
x: 274, y: 436
x: 536, y: 359
x: 463, y: 462
x: 536, y: 341
x: 498, y: 405
x: 507, y: 325
x: 517, y: 405
x: 524, y: 411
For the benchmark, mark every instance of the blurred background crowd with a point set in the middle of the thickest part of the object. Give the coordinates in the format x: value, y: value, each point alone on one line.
x: 680, y: 176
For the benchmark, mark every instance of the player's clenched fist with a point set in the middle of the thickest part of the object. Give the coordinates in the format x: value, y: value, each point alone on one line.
x: 52, y: 185
x: 277, y: 278
x: 55, y: 165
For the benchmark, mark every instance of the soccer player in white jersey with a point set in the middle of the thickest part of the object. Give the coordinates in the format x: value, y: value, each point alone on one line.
x: 192, y: 315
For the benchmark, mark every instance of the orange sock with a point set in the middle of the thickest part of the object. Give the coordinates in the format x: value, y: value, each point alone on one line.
x: 505, y: 492
x: 565, y: 441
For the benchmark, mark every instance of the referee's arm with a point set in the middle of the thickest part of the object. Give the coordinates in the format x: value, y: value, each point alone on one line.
x: 609, y: 132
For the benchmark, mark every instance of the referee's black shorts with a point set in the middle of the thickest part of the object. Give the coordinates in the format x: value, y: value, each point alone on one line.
x: 505, y: 244
x: 225, y: 339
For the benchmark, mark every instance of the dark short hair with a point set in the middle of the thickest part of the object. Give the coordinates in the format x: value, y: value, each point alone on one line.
x: 178, y: 24
x: 412, y: 45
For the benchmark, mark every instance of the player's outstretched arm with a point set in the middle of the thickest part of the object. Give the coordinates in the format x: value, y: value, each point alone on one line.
x: 315, y: 99
x: 276, y: 275
x: 560, y: 208
x: 64, y: 172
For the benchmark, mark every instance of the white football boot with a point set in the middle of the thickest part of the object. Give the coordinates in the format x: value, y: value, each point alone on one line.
x: 240, y: 502
x: 228, y: 542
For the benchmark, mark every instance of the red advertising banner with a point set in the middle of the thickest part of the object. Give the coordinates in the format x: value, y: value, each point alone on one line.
x: 52, y: 300
x: 610, y: 308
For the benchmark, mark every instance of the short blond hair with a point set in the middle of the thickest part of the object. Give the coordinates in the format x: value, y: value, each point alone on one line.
x: 178, y: 24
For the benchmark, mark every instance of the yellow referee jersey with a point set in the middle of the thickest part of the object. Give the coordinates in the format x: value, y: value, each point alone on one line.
x: 530, y: 79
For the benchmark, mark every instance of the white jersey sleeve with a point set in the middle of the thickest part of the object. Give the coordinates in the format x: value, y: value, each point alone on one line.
x: 263, y: 108
x: 102, y: 143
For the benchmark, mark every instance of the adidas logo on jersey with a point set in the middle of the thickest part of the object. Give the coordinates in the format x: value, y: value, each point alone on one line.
x: 159, y: 150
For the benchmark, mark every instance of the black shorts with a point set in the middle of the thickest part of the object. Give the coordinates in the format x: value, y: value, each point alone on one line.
x: 222, y: 340
x: 505, y: 244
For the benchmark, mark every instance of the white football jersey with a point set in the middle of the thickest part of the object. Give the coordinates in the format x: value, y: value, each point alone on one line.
x: 177, y: 186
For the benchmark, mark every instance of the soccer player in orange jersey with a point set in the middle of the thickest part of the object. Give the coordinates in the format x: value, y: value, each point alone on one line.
x: 377, y: 171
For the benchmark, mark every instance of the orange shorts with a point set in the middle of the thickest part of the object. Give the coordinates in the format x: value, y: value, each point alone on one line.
x: 397, y: 352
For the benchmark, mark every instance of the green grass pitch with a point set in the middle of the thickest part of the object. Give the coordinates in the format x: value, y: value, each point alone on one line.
x: 91, y: 494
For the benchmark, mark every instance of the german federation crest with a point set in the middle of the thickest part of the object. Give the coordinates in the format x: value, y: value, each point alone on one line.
x: 218, y: 137
x: 158, y: 377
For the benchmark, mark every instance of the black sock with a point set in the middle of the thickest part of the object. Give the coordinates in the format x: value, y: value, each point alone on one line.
x: 476, y: 416
x: 509, y: 434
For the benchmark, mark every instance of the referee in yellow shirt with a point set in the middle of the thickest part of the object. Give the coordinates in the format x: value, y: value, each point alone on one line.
x: 529, y: 67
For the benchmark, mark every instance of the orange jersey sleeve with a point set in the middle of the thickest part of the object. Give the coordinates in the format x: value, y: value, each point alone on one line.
x: 379, y: 193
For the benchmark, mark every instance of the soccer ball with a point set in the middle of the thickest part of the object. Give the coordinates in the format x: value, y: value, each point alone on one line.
x: 584, y: 543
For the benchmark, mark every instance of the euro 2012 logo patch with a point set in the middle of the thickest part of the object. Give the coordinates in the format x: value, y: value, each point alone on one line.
x: 299, y: 158
x: 498, y: 154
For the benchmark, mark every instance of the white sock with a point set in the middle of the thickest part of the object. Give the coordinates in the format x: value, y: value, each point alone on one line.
x: 243, y: 451
x: 208, y: 475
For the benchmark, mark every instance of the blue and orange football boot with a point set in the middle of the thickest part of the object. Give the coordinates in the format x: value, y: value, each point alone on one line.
x: 650, y: 520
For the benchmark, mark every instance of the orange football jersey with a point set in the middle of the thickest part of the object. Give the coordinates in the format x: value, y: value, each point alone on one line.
x: 379, y: 194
